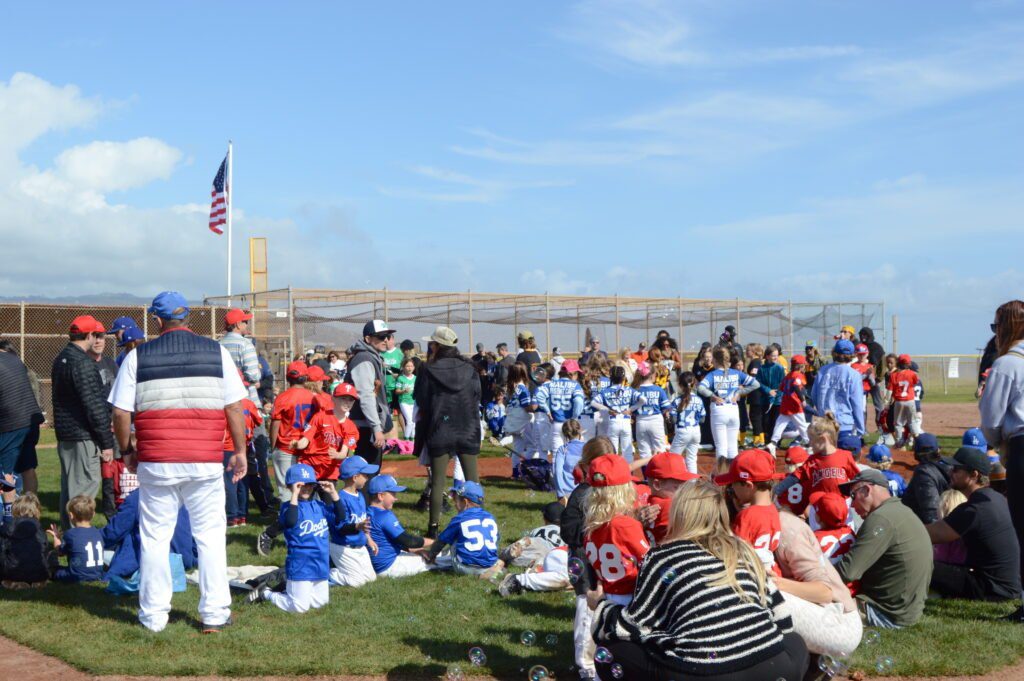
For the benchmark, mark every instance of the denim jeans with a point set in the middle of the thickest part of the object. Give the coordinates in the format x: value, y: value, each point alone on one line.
x: 230, y: 491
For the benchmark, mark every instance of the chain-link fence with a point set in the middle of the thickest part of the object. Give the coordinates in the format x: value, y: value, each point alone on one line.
x: 952, y: 376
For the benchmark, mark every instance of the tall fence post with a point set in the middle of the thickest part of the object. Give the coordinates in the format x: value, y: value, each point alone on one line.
x: 679, y: 312
x: 942, y: 367
x: 213, y: 320
x: 885, y: 336
x: 21, y: 344
x: 895, y: 334
x: 579, y: 343
x: 515, y: 321
x: 618, y: 343
x: 469, y: 307
x: 547, y: 323
x: 840, y: 315
x: 792, y: 344
x: 291, y: 327
x: 387, y: 307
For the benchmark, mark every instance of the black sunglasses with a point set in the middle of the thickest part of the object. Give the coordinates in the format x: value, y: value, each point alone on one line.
x: 383, y: 336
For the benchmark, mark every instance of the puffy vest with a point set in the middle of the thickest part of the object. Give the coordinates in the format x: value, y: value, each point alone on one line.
x: 179, y: 399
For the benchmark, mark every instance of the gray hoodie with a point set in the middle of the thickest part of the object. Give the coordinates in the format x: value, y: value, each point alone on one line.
x: 1002, y: 403
x: 366, y: 374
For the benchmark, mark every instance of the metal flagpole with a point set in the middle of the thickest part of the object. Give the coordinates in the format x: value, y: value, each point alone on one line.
x: 231, y: 199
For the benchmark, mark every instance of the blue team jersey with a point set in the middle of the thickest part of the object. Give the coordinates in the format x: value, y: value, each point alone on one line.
x: 692, y: 414
x: 726, y: 384
x: 618, y: 398
x: 494, y: 414
x: 309, y: 558
x: 897, y: 486
x: 561, y: 397
x: 384, y: 529
x: 473, y: 535
x: 595, y: 390
x: 520, y: 397
x: 84, y: 548
x: 355, y: 512
x: 655, y: 398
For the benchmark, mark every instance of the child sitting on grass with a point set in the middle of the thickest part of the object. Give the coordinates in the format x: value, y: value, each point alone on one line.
x: 26, y: 559
x: 82, y: 543
x: 399, y: 553
x: 880, y: 457
x: 350, y: 552
x: 472, y: 534
x: 835, y: 536
x: 750, y: 479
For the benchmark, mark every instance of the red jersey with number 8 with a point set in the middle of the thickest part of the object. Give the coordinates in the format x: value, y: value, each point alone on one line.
x: 615, y: 550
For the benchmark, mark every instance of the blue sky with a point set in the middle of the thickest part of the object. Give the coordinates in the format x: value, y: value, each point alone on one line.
x: 813, y: 151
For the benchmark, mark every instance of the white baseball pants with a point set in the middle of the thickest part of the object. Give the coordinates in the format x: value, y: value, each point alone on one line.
x: 557, y: 439
x: 725, y: 429
x: 583, y: 640
x: 554, y: 574
x: 650, y: 435
x: 790, y: 422
x: 542, y: 429
x: 409, y: 417
x: 589, y: 427
x: 301, y: 596
x: 352, y: 566
x: 406, y: 565
x: 826, y: 629
x: 687, y: 443
x: 158, y: 516
x: 618, y: 430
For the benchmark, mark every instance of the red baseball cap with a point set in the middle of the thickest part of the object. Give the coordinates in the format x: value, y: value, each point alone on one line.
x: 297, y: 369
x: 346, y: 390
x: 315, y: 373
x: 831, y: 508
x: 236, y: 315
x: 904, y: 358
x: 608, y: 470
x: 751, y: 465
x: 796, y: 455
x: 668, y: 466
x: 861, y: 349
x: 85, y: 323
x: 99, y: 327
x: 798, y: 359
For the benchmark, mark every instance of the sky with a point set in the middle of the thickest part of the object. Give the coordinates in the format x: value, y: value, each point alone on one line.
x: 807, y: 151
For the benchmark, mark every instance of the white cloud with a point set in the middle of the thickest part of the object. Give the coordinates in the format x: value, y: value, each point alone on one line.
x: 115, y: 166
x: 480, y: 190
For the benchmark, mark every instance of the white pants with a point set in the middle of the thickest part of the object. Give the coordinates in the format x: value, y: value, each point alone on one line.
x: 352, y: 566
x: 650, y: 435
x: 784, y: 421
x: 409, y: 416
x: 588, y: 426
x: 553, y: 576
x: 524, y: 443
x: 826, y: 629
x: 158, y: 516
x: 301, y: 596
x: 583, y: 640
x: 542, y: 428
x: 282, y: 462
x: 687, y: 442
x: 406, y: 565
x: 618, y: 430
x: 557, y: 440
x: 601, y: 423
x: 725, y: 429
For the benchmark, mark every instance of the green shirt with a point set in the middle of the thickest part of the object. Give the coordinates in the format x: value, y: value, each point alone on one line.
x: 406, y: 384
x: 392, y: 361
x: 892, y: 559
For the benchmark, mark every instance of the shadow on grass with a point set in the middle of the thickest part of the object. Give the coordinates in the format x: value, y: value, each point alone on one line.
x: 500, y: 646
x: 544, y: 609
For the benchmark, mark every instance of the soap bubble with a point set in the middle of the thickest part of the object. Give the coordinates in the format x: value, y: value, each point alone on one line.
x: 617, y: 671
x: 528, y: 638
x: 827, y: 664
x: 551, y: 640
x: 603, y: 656
x: 870, y: 637
x: 575, y: 568
x: 454, y: 674
x: 878, y: 530
x: 538, y: 673
x: 477, y: 656
x: 669, y: 576
x: 884, y: 664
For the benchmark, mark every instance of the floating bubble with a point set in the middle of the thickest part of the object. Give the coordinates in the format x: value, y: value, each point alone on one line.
x: 477, y: 656
x: 713, y: 655
x: 428, y: 659
x: 827, y: 664
x: 455, y: 674
x: 551, y: 640
x: 884, y: 664
x: 448, y: 590
x: 878, y: 530
x: 411, y: 618
x: 669, y: 576
x: 528, y: 638
x: 870, y: 637
x: 603, y: 656
x: 538, y: 673
x: 617, y: 671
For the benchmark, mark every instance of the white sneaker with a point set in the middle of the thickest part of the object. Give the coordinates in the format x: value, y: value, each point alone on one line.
x: 771, y: 448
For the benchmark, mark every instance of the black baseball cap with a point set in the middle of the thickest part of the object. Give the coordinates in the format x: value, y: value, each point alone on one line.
x: 925, y: 442
x: 970, y: 459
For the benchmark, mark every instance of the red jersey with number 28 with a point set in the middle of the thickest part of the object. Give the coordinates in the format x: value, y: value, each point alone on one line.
x: 901, y: 384
x: 293, y: 409
x: 615, y: 550
x: 760, y: 527
x: 791, y: 387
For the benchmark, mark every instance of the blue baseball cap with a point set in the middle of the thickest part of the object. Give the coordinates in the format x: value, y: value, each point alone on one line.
x: 354, y: 465
x: 925, y: 442
x: 879, y: 453
x: 299, y: 472
x: 473, y: 491
x: 843, y: 347
x: 384, y: 483
x: 850, y: 443
x: 169, y: 305
x: 130, y: 335
x: 973, y: 437
x: 121, y: 324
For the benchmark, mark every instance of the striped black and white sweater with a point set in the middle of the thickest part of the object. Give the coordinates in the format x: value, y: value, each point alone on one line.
x: 689, y: 625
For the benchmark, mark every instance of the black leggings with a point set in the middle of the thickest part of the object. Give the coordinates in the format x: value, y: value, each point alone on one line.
x: 756, y: 418
x: 1015, y: 487
x: 439, y: 479
x: 789, y: 664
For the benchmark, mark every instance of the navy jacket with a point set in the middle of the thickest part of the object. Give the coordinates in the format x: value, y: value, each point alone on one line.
x: 123, y: 532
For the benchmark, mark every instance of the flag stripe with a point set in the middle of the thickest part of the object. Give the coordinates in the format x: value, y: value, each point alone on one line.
x: 219, y: 196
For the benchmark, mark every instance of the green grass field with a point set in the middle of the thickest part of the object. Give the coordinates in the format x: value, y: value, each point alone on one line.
x: 415, y: 627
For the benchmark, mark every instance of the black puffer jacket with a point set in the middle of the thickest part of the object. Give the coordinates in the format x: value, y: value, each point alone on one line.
x: 447, y: 393
x: 18, y: 405
x: 923, y: 493
x: 876, y: 353
x: 80, y: 409
x: 25, y: 555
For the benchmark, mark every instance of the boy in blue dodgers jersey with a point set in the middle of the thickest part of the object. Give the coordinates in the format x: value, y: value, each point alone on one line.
x: 559, y: 400
x: 619, y: 401
x: 724, y: 387
x: 650, y: 419
x: 350, y: 551
x: 688, y: 411
x: 306, y: 522
x: 472, y: 534
x: 880, y: 457
x: 81, y: 543
x: 399, y: 553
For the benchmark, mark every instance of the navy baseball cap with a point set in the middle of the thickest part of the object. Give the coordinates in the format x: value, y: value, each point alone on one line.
x: 384, y: 483
x: 850, y: 443
x: 130, y: 335
x: 354, y: 465
x: 925, y: 442
x: 473, y: 491
x: 973, y: 437
x: 879, y: 453
x: 299, y: 472
x: 169, y: 305
x: 843, y: 347
x: 121, y: 324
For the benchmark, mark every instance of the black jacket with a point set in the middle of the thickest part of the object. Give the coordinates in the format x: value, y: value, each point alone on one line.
x: 876, y: 353
x: 18, y: 406
x: 25, y: 555
x: 573, y: 521
x: 926, y: 486
x: 447, y: 393
x: 80, y: 409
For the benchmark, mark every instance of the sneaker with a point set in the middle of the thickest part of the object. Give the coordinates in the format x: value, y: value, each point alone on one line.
x: 264, y: 543
x: 217, y: 628
x: 258, y: 595
x: 446, y: 508
x: 423, y: 503
x: 1017, y: 616
x: 771, y: 448
x: 510, y: 586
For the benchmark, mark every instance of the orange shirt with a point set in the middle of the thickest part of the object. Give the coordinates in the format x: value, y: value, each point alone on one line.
x: 901, y: 384
x: 292, y: 409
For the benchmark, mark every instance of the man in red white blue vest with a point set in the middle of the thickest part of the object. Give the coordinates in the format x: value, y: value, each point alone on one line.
x: 183, y: 390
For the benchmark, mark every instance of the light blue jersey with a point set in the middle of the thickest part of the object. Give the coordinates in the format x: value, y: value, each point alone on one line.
x: 692, y: 414
x: 727, y: 383
x: 655, y: 400
x: 595, y: 389
x: 520, y: 397
x: 619, y: 398
x: 561, y: 397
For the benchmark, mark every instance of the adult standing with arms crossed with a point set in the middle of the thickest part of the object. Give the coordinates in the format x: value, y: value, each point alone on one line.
x: 371, y: 413
x: 183, y: 390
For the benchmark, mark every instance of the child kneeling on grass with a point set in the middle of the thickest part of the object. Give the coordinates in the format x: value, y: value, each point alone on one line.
x: 399, y: 553
x: 305, y: 521
x: 26, y: 559
x: 350, y: 551
x: 82, y: 543
x: 472, y: 534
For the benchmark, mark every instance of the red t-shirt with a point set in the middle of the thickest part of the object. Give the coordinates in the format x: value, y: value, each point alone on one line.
x: 864, y: 369
x: 835, y: 543
x: 760, y: 527
x: 326, y: 433
x: 643, y: 495
x: 791, y: 384
x: 901, y: 384
x: 616, y: 550
x: 252, y: 417
x: 657, y: 533
x: 293, y: 409
x: 324, y: 402
x: 825, y: 472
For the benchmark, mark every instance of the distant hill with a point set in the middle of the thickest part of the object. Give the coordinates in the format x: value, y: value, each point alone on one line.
x: 90, y: 299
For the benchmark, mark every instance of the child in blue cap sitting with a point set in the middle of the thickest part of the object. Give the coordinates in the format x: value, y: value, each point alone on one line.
x: 472, y: 534
x: 306, y: 522
x: 399, y: 553
x: 880, y: 457
x: 350, y: 552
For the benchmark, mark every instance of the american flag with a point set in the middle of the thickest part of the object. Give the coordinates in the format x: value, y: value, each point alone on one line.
x: 219, y: 206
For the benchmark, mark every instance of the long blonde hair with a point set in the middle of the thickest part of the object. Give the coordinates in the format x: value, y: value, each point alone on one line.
x: 604, y: 503
x: 824, y: 426
x: 700, y: 514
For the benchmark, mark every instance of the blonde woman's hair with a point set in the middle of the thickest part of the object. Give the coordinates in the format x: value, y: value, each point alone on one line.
x: 824, y: 426
x: 604, y: 503
x: 27, y: 506
x: 700, y: 514
x: 754, y: 350
x: 949, y: 500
